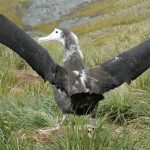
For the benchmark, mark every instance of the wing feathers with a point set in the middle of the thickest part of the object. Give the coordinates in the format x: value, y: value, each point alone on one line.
x: 111, y: 74
x: 123, y: 68
x: 34, y: 54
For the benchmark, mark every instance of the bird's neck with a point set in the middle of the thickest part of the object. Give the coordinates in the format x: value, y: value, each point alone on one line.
x: 70, y: 47
x: 68, y: 52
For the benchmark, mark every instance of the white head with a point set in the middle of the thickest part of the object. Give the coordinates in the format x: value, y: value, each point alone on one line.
x: 67, y: 38
x: 57, y: 35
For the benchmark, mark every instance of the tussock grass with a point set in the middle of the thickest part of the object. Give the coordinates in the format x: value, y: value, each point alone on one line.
x: 100, y: 138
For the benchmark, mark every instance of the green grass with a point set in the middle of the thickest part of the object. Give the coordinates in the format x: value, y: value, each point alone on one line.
x: 13, y: 9
x: 123, y: 120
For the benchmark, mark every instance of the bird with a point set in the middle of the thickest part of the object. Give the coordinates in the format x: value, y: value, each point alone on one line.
x: 78, y: 84
x: 72, y: 60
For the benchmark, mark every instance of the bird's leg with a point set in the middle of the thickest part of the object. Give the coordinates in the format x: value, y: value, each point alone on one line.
x: 93, y: 116
x: 62, y: 121
x: 92, y: 122
x: 94, y: 112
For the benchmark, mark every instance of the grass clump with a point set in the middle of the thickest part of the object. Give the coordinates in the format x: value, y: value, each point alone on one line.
x: 103, y: 137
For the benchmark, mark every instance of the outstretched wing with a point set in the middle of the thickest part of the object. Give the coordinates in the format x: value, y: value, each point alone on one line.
x: 109, y: 75
x: 34, y: 54
x: 124, y: 68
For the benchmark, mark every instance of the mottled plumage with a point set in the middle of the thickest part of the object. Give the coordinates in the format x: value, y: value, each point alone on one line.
x: 72, y: 61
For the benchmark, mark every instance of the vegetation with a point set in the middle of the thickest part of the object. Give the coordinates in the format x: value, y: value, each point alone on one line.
x: 123, y: 121
x: 13, y: 9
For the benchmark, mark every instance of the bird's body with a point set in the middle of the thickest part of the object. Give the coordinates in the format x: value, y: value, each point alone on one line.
x: 72, y: 61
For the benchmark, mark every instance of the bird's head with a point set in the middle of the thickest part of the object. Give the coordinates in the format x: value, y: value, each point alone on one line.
x: 67, y: 38
x: 56, y: 35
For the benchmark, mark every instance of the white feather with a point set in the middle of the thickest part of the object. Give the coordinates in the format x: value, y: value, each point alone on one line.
x: 77, y: 42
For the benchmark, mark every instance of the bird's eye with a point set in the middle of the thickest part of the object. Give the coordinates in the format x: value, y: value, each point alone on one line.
x: 56, y: 31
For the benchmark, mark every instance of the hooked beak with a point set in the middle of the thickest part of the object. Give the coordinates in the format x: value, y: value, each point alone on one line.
x: 45, y: 39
